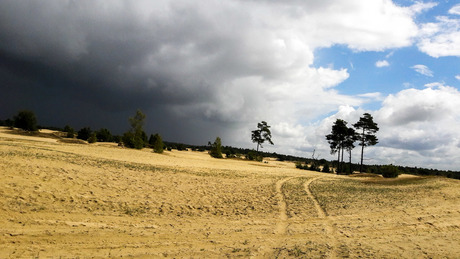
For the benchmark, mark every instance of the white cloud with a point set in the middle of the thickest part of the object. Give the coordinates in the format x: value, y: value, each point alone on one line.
x: 441, y: 38
x: 422, y: 69
x: 455, y: 9
x: 422, y: 124
x: 419, y: 7
x: 457, y: 77
x: 417, y: 128
x: 382, y: 63
x: 376, y: 96
x: 434, y: 84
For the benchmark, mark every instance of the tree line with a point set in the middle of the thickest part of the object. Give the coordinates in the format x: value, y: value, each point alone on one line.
x: 341, y: 139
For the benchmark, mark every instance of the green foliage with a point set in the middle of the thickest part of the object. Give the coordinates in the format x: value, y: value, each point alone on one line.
x: 92, y: 138
x: 117, y: 139
x: 8, y: 123
x: 230, y: 153
x: 26, y: 120
x: 216, y: 149
x: 389, y: 171
x: 255, y: 156
x: 367, y: 136
x: 70, y: 131
x: 262, y: 134
x: 345, y: 169
x: 313, y: 167
x: 326, y: 168
x: 84, y: 133
x: 369, y: 128
x: 104, y: 135
x: 157, y: 143
x: 132, y: 140
x: 136, y: 137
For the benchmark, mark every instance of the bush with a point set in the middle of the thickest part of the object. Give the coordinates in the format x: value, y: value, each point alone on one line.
x: 92, y: 138
x: 84, y: 133
x: 389, y: 171
x: 313, y: 167
x: 70, y: 131
x: 26, y: 120
x: 252, y: 155
x: 132, y: 140
x: 104, y: 135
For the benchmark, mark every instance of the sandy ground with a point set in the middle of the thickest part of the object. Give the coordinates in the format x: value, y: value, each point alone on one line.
x: 78, y: 200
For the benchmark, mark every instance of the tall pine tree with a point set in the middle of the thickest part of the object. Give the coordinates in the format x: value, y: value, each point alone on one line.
x: 366, y: 136
x: 337, y: 140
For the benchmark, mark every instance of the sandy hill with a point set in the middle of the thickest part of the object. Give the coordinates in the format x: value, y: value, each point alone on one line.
x: 99, y: 200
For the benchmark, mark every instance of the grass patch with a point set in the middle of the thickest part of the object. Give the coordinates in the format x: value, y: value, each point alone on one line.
x: 297, y: 202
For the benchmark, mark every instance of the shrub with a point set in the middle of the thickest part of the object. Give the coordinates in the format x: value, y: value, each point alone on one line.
x: 84, y: 133
x: 26, y: 120
x: 252, y: 155
x: 313, y: 167
x: 132, y: 140
x: 157, y: 143
x: 389, y: 171
x: 104, y: 135
x: 70, y: 131
x: 326, y: 168
x: 92, y: 138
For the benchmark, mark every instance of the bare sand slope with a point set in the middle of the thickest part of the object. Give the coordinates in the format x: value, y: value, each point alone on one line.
x: 99, y: 200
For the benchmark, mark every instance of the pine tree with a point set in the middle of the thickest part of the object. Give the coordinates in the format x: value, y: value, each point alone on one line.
x: 262, y: 134
x: 337, y: 139
x: 367, y: 136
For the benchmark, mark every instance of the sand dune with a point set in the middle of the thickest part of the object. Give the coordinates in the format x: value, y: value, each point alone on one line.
x: 99, y: 200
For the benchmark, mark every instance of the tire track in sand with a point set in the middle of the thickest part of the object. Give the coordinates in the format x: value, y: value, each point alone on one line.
x: 282, y: 224
x: 266, y: 250
x: 329, y: 227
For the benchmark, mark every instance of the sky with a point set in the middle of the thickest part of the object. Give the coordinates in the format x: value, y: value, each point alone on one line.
x: 202, y: 69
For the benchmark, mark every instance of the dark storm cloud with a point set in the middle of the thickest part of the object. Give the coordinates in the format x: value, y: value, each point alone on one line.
x: 175, y: 61
x: 196, y: 68
x: 101, y: 58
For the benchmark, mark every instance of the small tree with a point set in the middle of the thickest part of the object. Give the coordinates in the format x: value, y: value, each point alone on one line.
x: 157, y: 143
x: 216, y: 148
x: 136, y: 137
x: 26, y: 120
x: 367, y: 136
x: 84, y: 133
x: 261, y: 134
